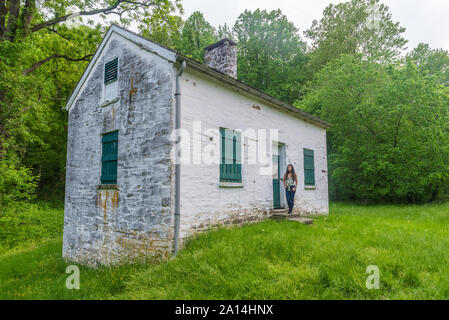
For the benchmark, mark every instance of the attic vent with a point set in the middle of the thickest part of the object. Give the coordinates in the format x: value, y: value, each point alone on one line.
x: 110, y: 71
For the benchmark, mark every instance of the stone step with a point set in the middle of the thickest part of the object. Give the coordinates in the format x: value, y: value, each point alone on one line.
x: 292, y: 217
x: 281, y: 210
x: 285, y: 215
x: 305, y: 221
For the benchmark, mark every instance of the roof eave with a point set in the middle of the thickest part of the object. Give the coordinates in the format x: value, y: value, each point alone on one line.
x: 262, y: 95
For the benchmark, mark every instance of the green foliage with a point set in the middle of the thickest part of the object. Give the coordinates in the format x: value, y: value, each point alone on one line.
x: 16, y: 183
x: 41, y: 60
x: 196, y: 34
x: 271, y: 55
x: 225, y: 31
x: 388, y: 140
x: 18, y: 19
x: 23, y: 223
x: 434, y: 62
x: 163, y: 30
x: 269, y: 260
x: 356, y: 26
x: 32, y: 123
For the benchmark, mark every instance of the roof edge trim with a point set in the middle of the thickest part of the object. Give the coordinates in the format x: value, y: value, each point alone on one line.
x: 256, y: 92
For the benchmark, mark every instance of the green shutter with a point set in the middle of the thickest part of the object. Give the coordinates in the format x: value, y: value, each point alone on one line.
x: 309, y: 168
x: 109, y: 158
x: 231, y: 163
x: 110, y: 71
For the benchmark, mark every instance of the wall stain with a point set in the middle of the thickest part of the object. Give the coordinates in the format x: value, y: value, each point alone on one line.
x: 107, y: 202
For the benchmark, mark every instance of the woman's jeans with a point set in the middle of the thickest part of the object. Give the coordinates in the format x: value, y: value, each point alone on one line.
x: 290, y: 195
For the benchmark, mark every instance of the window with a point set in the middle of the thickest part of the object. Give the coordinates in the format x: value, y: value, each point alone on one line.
x: 110, y: 80
x: 109, y: 158
x: 231, y: 164
x: 309, y: 168
x: 110, y: 71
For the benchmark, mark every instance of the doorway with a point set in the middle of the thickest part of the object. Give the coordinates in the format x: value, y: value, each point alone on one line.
x: 278, y: 159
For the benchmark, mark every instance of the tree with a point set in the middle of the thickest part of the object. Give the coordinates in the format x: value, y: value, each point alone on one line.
x: 271, y: 55
x: 41, y: 60
x: 196, y: 34
x: 19, y: 18
x: 434, y: 62
x: 32, y: 122
x: 358, y: 26
x: 388, y: 140
x: 224, y: 31
x: 163, y: 30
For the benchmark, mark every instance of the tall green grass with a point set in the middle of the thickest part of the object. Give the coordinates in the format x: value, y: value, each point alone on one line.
x: 39, y: 272
x: 286, y: 260
x: 29, y: 222
x: 269, y: 260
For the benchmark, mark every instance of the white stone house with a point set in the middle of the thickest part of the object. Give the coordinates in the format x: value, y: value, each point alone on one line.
x: 124, y: 189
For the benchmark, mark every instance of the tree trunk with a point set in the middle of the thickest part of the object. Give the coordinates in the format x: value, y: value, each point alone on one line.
x: 13, y: 18
x: 2, y: 18
x: 27, y: 15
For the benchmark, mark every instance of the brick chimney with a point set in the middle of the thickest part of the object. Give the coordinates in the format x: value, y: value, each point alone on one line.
x: 222, y: 56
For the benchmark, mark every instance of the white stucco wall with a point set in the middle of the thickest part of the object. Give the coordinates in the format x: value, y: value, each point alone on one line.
x: 216, y: 105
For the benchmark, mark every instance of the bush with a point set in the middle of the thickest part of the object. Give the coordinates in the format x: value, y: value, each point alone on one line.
x: 388, y: 139
x: 24, y: 223
x: 16, y: 183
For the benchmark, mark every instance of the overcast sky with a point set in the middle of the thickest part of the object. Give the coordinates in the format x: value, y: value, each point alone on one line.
x: 425, y: 20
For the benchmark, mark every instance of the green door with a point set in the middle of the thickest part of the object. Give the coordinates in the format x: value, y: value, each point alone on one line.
x: 276, y: 182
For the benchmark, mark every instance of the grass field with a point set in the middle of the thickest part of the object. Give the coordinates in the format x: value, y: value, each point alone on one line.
x: 269, y: 260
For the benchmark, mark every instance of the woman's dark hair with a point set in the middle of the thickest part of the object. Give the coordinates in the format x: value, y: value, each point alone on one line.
x: 295, y: 177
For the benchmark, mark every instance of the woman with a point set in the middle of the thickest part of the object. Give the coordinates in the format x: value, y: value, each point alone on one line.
x: 290, y: 184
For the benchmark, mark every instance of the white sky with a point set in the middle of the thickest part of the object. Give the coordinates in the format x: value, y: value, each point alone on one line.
x: 425, y: 20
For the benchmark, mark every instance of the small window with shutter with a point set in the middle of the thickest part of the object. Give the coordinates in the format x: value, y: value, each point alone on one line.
x: 230, y: 164
x: 309, y: 168
x: 109, y: 158
x: 110, y: 71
